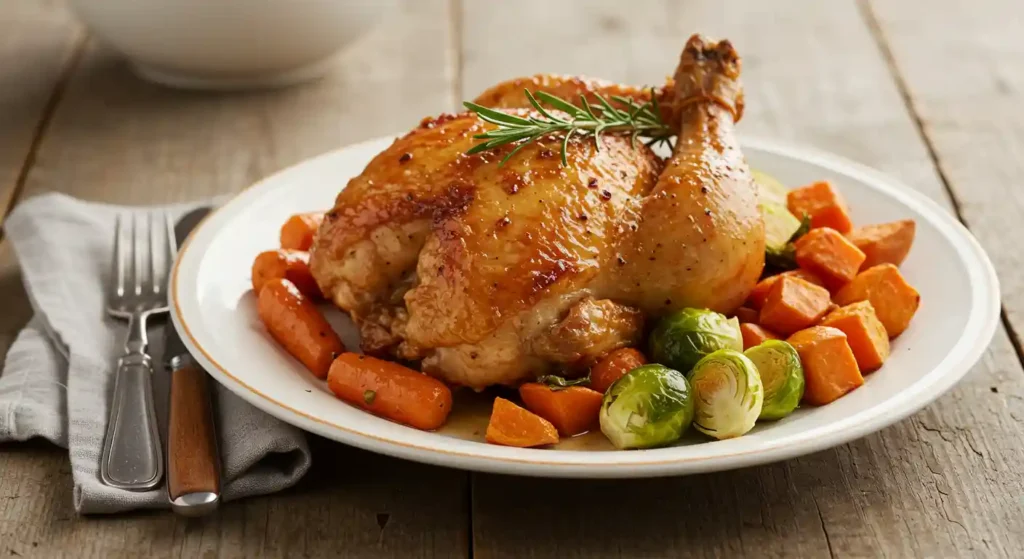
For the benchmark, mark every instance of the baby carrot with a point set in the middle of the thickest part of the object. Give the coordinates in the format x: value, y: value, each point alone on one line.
x: 614, y: 366
x: 295, y: 322
x: 297, y: 233
x: 292, y: 265
x: 390, y: 390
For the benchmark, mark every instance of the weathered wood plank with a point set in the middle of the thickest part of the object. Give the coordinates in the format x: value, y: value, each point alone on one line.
x: 934, y: 485
x: 961, y: 65
x: 114, y: 138
x: 38, y: 40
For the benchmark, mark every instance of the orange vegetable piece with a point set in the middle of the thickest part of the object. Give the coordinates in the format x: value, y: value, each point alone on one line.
x: 754, y: 335
x: 390, y: 390
x: 893, y: 299
x: 292, y: 265
x: 793, y: 304
x: 864, y: 332
x: 294, y: 321
x: 511, y: 425
x: 884, y: 243
x: 829, y: 254
x: 747, y: 314
x: 297, y: 233
x: 823, y: 203
x: 613, y: 367
x: 830, y: 368
x: 760, y: 292
x: 571, y: 410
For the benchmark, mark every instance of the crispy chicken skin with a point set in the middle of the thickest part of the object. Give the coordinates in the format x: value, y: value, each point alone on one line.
x: 493, y: 274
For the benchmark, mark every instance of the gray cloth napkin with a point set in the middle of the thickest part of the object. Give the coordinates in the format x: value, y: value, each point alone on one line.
x: 57, y: 380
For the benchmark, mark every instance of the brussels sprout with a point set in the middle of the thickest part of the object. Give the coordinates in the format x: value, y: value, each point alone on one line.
x: 769, y: 189
x: 684, y: 337
x: 649, y: 406
x: 779, y: 225
x: 782, y: 377
x: 727, y: 394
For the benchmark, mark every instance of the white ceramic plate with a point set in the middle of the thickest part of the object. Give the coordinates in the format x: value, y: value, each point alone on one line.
x: 214, y: 310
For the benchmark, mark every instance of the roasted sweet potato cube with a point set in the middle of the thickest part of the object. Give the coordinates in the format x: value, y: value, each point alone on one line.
x: 754, y: 335
x: 864, y: 332
x: 893, y: 299
x: 793, y: 304
x: 760, y: 292
x: 823, y: 203
x: 746, y: 314
x: 830, y: 368
x: 884, y: 243
x: 830, y: 255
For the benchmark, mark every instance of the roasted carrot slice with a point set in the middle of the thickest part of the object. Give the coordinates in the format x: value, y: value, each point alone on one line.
x: 864, y: 332
x: 754, y: 335
x: 294, y: 321
x: 884, y: 243
x: 297, y: 233
x: 823, y: 203
x: 793, y: 304
x: 614, y: 366
x: 511, y: 425
x: 893, y: 299
x: 760, y: 292
x: 571, y: 410
x: 830, y: 255
x: 830, y: 368
x: 390, y: 390
x: 292, y: 265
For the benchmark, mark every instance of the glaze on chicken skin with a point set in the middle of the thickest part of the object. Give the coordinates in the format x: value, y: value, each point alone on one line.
x: 493, y: 274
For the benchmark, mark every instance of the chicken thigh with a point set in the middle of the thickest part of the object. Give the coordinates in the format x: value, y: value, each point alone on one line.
x: 494, y: 274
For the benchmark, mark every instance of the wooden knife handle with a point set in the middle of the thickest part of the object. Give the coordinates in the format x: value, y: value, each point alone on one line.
x: 192, y: 459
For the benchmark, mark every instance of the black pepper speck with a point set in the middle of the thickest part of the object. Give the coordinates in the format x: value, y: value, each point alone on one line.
x: 405, y: 157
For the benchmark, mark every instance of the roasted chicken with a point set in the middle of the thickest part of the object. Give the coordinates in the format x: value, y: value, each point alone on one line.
x: 494, y: 274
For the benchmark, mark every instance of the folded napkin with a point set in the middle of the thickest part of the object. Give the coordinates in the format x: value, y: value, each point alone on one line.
x: 58, y: 377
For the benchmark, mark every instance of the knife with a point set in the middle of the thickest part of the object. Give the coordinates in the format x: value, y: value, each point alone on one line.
x: 193, y: 462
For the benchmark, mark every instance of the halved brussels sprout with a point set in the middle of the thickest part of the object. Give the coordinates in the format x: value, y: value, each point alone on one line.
x: 649, y: 406
x: 782, y: 377
x: 769, y: 189
x: 727, y: 394
x: 779, y: 225
x: 684, y: 337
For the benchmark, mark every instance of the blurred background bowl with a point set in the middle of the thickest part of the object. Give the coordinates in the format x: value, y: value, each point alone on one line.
x: 230, y: 44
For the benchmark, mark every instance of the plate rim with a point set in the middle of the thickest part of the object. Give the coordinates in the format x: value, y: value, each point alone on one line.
x: 531, y: 462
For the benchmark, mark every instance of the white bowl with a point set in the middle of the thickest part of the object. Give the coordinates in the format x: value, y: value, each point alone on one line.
x: 229, y: 44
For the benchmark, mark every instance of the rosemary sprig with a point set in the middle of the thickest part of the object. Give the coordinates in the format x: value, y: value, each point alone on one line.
x: 634, y: 120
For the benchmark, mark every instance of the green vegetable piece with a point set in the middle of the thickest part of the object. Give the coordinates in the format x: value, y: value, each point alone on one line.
x: 769, y: 189
x: 727, y: 394
x: 684, y: 337
x: 779, y: 225
x: 782, y: 376
x: 783, y: 258
x: 649, y: 406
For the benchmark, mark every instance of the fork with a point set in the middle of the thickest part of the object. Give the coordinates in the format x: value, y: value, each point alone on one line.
x: 132, y: 458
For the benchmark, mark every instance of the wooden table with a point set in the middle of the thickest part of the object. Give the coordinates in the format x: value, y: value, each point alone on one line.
x: 928, y: 92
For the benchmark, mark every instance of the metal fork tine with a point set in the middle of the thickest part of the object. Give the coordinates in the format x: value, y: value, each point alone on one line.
x: 117, y: 286
x: 136, y: 257
x: 154, y: 275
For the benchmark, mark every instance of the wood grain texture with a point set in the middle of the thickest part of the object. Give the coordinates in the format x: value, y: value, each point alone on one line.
x: 38, y: 40
x: 192, y: 459
x: 942, y: 483
x: 114, y: 138
x: 961, y: 65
